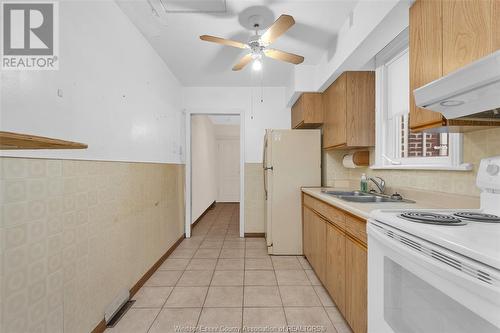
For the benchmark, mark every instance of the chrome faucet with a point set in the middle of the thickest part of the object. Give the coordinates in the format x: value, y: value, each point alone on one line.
x: 379, y: 183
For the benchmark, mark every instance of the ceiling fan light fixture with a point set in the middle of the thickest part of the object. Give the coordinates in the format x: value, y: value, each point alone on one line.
x: 257, y: 64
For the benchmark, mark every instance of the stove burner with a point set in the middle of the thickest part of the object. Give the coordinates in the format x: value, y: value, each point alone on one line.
x: 431, y: 218
x: 478, y: 217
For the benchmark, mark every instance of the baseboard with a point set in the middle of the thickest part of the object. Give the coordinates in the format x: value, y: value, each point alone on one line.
x: 101, y: 327
x: 255, y: 235
x: 212, y: 206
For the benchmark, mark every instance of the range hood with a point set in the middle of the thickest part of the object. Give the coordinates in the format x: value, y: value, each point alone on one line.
x: 469, y: 93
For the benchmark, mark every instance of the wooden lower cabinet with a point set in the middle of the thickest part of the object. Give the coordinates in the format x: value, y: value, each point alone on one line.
x: 338, y: 255
x: 335, y: 265
x: 356, y: 276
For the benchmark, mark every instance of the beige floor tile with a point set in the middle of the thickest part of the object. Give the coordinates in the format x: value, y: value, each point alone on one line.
x: 259, y: 244
x: 135, y: 321
x: 335, y: 315
x: 286, y: 263
x: 220, y: 320
x: 183, y: 253
x: 190, y: 243
x: 323, y: 295
x: 258, y: 263
x: 313, y: 278
x: 174, y: 265
x: 186, y: 297
x: 299, y: 296
x: 292, y: 278
x: 260, y: 278
x: 201, y: 264
x: 298, y: 317
x: 262, y: 296
x: 163, y: 279
x: 233, y: 244
x: 256, y: 253
x: 304, y: 263
x: 264, y: 320
x: 151, y: 297
x: 224, y: 297
x: 227, y: 278
x: 195, y: 278
x: 171, y: 320
x: 232, y: 253
x: 229, y: 264
x: 207, y: 253
x: 211, y: 244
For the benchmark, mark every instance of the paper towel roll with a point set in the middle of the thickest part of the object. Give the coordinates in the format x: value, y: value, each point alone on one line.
x: 356, y: 159
x: 348, y: 161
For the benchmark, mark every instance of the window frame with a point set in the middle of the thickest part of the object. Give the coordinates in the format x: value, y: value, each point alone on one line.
x: 386, y: 144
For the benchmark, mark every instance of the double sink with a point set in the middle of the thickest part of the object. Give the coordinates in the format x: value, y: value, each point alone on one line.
x: 362, y: 197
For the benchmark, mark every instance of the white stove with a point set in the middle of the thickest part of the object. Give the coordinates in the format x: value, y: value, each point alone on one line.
x: 437, y: 270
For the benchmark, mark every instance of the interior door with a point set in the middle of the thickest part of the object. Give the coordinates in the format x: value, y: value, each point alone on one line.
x: 228, y: 162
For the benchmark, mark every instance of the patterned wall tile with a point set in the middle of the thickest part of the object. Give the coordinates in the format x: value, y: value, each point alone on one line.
x: 74, y: 233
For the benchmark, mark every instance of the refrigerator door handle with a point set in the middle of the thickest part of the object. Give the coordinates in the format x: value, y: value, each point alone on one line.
x: 264, y: 162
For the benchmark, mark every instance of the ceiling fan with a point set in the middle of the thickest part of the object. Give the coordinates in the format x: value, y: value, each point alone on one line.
x: 259, y: 44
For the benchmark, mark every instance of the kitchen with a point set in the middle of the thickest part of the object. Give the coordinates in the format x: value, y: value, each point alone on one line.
x: 350, y: 157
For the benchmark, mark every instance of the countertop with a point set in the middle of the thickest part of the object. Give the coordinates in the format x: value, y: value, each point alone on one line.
x: 363, y: 210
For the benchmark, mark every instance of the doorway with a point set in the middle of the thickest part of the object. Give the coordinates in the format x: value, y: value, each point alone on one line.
x: 214, y: 164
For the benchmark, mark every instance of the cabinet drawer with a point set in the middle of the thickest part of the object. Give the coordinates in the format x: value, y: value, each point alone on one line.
x: 356, y: 227
x: 333, y: 214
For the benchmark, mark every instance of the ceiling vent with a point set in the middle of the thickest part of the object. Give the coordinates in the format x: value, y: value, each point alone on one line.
x: 191, y: 6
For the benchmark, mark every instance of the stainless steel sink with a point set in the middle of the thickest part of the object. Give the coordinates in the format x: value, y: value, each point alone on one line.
x: 346, y: 193
x: 366, y: 198
x: 361, y: 197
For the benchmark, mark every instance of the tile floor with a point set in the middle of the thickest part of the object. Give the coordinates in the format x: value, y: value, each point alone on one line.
x: 218, y: 282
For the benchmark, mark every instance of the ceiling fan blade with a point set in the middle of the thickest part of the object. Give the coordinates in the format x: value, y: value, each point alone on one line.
x: 243, y: 62
x: 284, y: 56
x: 224, y: 41
x: 279, y: 27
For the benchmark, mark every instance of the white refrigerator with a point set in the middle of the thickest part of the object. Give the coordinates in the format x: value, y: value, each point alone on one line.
x: 292, y: 159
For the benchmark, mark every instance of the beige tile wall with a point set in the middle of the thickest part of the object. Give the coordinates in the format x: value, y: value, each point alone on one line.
x: 74, y: 233
x: 477, y: 145
x: 254, y: 198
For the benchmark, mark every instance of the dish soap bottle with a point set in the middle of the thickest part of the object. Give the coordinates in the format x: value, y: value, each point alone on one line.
x: 364, y: 183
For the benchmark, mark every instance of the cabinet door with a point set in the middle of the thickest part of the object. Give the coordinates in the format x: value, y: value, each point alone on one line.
x: 360, y: 109
x: 307, y: 221
x: 335, y: 265
x: 426, y: 57
x: 318, y: 241
x: 334, y: 99
x: 495, y: 14
x: 356, y: 285
x: 467, y: 32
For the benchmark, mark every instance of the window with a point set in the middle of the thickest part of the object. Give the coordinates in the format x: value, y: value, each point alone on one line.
x: 397, y: 147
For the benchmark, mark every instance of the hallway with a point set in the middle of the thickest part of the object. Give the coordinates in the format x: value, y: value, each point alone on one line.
x: 218, y: 282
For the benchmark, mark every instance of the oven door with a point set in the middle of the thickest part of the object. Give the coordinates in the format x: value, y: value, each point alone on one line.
x: 418, y: 287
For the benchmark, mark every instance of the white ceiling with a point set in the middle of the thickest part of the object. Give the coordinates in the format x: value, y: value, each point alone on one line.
x: 175, y: 36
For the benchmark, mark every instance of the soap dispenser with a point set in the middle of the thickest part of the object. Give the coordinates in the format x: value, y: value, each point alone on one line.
x: 364, y: 183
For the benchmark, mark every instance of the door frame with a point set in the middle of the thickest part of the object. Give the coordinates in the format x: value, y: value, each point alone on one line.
x: 187, y: 179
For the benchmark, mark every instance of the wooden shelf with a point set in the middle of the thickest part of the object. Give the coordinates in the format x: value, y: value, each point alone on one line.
x: 9, y: 141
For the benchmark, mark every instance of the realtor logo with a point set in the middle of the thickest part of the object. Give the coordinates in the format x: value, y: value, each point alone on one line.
x: 30, y: 36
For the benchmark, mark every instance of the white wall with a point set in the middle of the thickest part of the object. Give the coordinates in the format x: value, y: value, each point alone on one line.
x: 271, y: 113
x: 228, y: 162
x: 119, y: 97
x: 203, y: 165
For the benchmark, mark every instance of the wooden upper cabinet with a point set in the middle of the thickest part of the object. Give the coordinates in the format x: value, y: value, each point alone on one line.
x: 446, y: 35
x: 467, y: 32
x: 426, y: 57
x: 356, y: 285
x: 307, y: 112
x: 495, y: 14
x: 349, y: 118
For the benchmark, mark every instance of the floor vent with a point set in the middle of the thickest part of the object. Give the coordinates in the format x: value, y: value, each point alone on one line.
x: 120, y: 313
